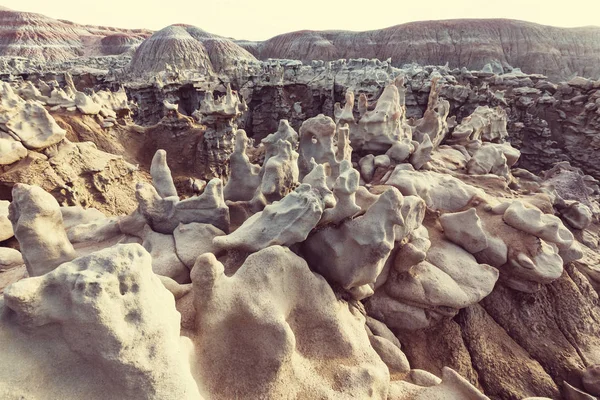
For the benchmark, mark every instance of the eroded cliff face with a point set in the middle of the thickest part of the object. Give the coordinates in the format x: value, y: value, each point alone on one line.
x: 559, y: 53
x: 549, y: 122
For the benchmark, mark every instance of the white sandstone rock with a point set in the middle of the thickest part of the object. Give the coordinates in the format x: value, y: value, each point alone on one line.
x: 6, y: 229
x: 280, y: 319
x: 11, y: 150
x: 10, y: 258
x: 38, y: 226
x: 164, y: 257
x: 86, y: 105
x: 353, y: 254
x: 283, y: 223
x: 533, y: 221
x: 35, y: 127
x: 193, y: 240
x: 109, y: 324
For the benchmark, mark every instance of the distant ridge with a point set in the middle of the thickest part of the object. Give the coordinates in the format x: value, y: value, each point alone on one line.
x: 31, y: 35
x: 557, y: 52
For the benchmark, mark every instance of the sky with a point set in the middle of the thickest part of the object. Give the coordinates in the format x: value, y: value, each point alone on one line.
x: 263, y: 19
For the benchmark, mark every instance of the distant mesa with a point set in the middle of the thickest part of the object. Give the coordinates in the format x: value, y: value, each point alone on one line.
x: 187, y: 47
x: 42, y: 38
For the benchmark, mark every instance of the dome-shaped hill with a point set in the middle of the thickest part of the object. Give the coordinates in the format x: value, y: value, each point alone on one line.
x: 187, y: 48
x: 172, y: 45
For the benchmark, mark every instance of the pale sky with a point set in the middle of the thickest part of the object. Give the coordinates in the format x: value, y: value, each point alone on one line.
x: 262, y: 19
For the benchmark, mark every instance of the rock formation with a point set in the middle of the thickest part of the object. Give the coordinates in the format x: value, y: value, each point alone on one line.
x: 281, y: 230
x: 105, y: 318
